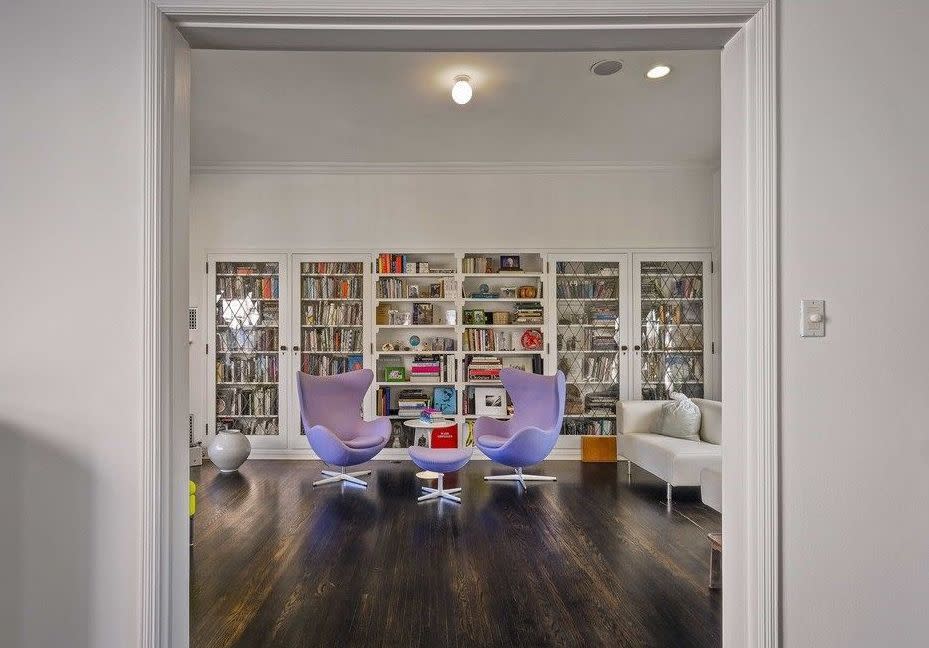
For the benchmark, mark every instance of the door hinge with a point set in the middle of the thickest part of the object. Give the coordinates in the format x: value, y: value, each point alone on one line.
x: 547, y: 269
x: 207, y: 269
x: 712, y: 347
x: 712, y: 267
x: 372, y: 347
x: 208, y: 348
x: 206, y: 429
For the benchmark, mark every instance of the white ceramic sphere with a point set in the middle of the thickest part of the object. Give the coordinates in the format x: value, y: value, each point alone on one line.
x: 229, y: 449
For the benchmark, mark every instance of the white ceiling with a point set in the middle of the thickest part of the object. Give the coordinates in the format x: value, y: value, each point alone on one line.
x: 394, y: 107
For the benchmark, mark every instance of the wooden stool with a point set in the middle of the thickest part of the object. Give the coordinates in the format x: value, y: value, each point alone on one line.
x: 716, y: 560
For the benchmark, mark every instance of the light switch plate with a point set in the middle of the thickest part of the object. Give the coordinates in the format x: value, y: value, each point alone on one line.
x: 812, y: 318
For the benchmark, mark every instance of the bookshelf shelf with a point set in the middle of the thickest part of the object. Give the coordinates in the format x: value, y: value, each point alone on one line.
x: 503, y: 326
x: 522, y: 352
x: 414, y: 275
x: 415, y: 326
x: 503, y: 275
x: 413, y: 353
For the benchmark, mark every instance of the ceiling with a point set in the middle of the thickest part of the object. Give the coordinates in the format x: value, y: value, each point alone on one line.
x: 394, y: 107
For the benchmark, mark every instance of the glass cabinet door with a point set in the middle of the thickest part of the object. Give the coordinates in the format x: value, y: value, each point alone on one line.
x: 672, y: 320
x: 590, y: 340
x: 330, y: 317
x: 248, y: 348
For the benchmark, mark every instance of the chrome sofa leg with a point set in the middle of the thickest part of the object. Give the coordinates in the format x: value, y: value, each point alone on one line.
x: 669, y: 497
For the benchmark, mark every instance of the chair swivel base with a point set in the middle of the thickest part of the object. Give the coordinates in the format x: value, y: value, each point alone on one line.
x: 440, y: 493
x: 332, y: 477
x: 521, y: 477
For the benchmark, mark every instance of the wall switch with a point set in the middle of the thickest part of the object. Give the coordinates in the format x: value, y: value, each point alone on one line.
x: 812, y: 318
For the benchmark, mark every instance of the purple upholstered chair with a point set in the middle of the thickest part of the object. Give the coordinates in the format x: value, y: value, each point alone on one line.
x: 528, y: 437
x: 330, y: 407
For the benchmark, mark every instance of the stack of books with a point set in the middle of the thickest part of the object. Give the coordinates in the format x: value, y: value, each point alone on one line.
x: 432, y: 368
x: 601, y: 315
x: 484, y: 369
x: 601, y: 341
x: 411, y: 402
x: 528, y: 313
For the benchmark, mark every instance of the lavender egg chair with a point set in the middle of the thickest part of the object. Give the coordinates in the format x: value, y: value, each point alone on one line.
x: 527, y: 437
x: 330, y: 408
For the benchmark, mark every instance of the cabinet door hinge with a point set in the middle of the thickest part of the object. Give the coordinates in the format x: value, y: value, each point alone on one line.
x: 206, y: 428
x: 207, y: 268
x: 372, y: 347
x: 208, y: 348
x: 712, y: 267
x: 712, y: 347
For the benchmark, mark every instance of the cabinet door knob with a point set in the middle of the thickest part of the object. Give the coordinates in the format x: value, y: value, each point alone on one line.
x: 283, y: 348
x: 624, y: 348
x: 296, y: 348
x: 637, y: 347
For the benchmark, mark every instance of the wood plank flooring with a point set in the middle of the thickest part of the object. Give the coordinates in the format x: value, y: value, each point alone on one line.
x: 590, y: 560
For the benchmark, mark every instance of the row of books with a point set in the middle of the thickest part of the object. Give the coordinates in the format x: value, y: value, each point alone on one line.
x: 332, y: 287
x: 333, y: 314
x: 491, y: 340
x: 264, y: 339
x: 598, y: 369
x: 326, y: 365
x: 249, y: 369
x: 586, y: 289
x: 477, y: 265
x: 239, y: 401
x: 669, y: 287
x: 411, y: 402
x: 402, y: 264
x: 254, y: 427
x: 332, y: 339
x: 601, y: 401
x: 245, y: 269
x: 244, y: 286
x: 393, y: 288
x: 586, y: 267
x: 484, y: 368
x: 596, y: 427
x: 432, y: 368
x: 527, y: 313
x: 331, y: 268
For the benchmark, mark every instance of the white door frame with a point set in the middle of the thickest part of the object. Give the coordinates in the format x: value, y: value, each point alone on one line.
x: 751, y: 578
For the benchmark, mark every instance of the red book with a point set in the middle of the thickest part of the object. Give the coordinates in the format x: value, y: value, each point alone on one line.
x: 445, y: 437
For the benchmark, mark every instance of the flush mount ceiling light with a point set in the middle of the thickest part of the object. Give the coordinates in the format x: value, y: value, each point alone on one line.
x: 658, y: 71
x: 606, y: 68
x: 461, y: 90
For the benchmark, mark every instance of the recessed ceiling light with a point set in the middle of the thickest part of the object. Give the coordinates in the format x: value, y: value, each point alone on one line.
x: 461, y: 91
x: 606, y: 68
x: 658, y: 71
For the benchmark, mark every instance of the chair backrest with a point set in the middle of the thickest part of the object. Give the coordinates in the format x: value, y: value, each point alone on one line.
x: 538, y: 401
x: 334, y: 401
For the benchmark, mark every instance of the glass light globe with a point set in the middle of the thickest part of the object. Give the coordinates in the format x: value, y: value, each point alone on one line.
x: 658, y: 72
x: 461, y: 91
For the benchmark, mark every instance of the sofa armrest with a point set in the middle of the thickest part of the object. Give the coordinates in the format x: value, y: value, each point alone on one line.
x: 637, y: 416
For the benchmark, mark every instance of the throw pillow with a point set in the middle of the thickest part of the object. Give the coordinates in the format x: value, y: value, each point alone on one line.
x: 680, y: 419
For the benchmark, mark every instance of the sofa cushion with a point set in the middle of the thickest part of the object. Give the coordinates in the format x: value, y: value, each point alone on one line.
x: 638, y: 416
x: 711, y: 420
x: 676, y: 461
x: 679, y: 418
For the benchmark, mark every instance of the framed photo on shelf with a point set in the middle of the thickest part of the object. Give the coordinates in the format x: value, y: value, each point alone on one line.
x: 394, y: 374
x: 490, y: 401
x: 509, y: 263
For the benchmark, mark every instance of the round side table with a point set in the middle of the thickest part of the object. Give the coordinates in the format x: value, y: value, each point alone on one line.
x: 419, y: 424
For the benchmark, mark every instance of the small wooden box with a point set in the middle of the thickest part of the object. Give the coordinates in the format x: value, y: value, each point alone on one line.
x: 595, y: 448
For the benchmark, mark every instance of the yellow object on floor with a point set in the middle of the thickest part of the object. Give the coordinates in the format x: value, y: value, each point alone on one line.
x: 193, y: 499
x: 598, y: 448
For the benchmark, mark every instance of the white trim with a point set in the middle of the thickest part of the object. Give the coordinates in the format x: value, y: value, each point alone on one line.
x: 762, y: 532
x: 761, y: 479
x: 457, y: 168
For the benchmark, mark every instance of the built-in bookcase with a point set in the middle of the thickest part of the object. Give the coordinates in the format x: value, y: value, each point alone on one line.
x: 248, y: 376
x: 333, y: 293
x: 591, y: 297
x: 442, y: 323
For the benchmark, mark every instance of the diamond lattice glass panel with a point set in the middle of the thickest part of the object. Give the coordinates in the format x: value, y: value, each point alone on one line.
x: 587, y: 298
x: 331, y: 317
x: 672, y: 328
x: 247, y: 339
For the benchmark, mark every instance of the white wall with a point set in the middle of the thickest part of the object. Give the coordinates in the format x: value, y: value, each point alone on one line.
x: 630, y: 208
x: 854, y: 197
x: 70, y: 364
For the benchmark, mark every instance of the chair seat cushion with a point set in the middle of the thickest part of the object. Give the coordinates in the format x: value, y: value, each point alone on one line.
x: 491, y: 441
x: 676, y: 461
x: 441, y: 460
x: 364, y: 441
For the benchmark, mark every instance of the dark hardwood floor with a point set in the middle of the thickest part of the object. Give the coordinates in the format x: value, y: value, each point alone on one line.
x: 589, y: 560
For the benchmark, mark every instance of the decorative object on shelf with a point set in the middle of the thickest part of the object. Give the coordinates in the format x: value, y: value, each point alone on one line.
x: 414, y: 341
x: 574, y: 402
x: 501, y: 317
x: 388, y: 346
x: 509, y: 263
x: 422, y: 313
x: 527, y: 292
x: 451, y: 317
x: 428, y: 414
x: 394, y: 374
x: 412, y: 291
x: 445, y: 400
x: 422, y: 267
x: 229, y: 449
x: 355, y: 362
x: 382, y: 314
x: 490, y: 401
x: 483, y: 289
x: 475, y: 317
x: 532, y: 340
x: 509, y: 292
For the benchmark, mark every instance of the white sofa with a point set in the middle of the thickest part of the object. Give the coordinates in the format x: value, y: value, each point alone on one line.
x: 676, y: 461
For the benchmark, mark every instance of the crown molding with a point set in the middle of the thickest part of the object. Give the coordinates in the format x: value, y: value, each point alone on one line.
x: 442, y: 168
